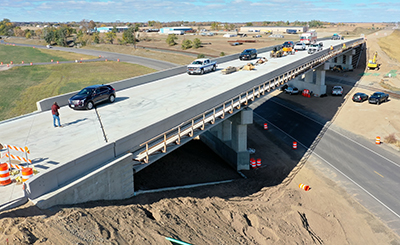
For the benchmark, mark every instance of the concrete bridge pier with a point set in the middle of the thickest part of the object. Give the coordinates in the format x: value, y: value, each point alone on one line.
x: 344, y: 59
x: 314, y: 80
x: 229, y: 139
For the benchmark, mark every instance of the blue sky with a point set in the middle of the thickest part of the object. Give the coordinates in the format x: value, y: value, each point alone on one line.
x: 201, y: 10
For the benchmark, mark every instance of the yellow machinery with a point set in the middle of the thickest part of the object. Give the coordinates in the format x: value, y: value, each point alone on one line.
x: 276, y: 52
x: 372, y: 63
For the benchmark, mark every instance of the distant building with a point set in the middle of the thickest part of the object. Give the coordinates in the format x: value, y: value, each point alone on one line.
x: 273, y: 29
x: 175, y: 30
x: 109, y: 28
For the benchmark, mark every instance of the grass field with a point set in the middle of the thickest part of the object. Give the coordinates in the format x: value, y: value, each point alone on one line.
x: 17, y: 54
x: 388, y: 44
x: 22, y: 87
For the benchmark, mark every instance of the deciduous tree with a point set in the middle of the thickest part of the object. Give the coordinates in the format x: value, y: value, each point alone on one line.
x: 110, y: 37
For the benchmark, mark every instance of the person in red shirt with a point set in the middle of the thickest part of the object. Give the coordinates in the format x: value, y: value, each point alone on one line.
x: 56, y: 114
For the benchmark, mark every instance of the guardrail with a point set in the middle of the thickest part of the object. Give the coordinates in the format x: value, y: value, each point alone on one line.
x: 208, y: 118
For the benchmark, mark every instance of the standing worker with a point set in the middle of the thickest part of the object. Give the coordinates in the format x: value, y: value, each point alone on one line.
x: 56, y: 114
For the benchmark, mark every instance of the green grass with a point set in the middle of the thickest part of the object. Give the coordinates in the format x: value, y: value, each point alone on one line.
x: 17, y: 54
x: 23, y: 86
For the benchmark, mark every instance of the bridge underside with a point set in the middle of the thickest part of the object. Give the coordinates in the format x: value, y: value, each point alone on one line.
x: 229, y: 139
x: 314, y: 79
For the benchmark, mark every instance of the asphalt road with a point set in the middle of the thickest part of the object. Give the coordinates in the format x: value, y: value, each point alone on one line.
x: 369, y: 172
x: 155, y: 64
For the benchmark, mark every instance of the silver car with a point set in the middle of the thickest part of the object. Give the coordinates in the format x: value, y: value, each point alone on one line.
x: 300, y: 46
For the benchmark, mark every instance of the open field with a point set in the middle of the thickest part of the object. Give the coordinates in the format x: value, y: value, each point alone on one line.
x: 17, y: 54
x: 23, y: 86
x: 213, y: 46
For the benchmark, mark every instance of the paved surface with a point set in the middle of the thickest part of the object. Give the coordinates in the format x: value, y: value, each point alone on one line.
x: 133, y: 110
x: 367, y: 171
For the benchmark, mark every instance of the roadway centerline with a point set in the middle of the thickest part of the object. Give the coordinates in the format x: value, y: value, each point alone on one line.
x: 379, y: 174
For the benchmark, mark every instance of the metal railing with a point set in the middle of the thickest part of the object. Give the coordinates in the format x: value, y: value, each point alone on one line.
x: 208, y: 118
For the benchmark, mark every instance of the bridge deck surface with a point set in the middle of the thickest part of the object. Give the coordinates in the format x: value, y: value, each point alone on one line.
x: 133, y: 110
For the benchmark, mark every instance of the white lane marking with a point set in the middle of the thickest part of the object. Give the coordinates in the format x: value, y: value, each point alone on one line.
x: 376, y: 153
x: 362, y: 188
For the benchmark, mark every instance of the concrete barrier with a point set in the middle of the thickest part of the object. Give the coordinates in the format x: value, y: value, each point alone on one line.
x: 59, y: 175
x: 111, y: 181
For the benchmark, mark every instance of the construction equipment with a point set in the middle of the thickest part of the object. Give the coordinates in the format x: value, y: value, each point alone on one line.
x: 276, y: 52
x: 372, y: 65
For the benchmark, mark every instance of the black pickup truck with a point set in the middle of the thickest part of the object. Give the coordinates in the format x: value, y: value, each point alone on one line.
x: 378, y: 97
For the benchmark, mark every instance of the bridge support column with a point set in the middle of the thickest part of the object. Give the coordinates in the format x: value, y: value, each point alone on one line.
x: 229, y: 139
x: 320, y: 81
x: 309, y: 77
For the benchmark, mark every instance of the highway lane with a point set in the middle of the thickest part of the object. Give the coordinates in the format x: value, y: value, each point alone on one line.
x: 155, y: 64
x: 365, y: 170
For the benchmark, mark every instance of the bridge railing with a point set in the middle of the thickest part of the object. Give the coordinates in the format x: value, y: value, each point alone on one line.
x: 207, y: 119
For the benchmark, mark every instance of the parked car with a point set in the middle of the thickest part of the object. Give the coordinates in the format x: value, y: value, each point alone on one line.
x: 300, y: 46
x: 359, y: 97
x: 292, y: 90
x: 378, y: 97
x: 88, y: 97
x: 248, y: 54
x: 315, y: 47
x: 337, y: 90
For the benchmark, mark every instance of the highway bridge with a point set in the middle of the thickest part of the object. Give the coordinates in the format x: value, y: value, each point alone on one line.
x: 96, y: 154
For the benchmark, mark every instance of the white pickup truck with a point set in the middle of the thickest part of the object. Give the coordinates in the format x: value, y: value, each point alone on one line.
x: 201, y: 66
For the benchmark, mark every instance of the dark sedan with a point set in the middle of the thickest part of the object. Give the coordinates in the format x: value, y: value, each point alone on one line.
x: 88, y: 97
x: 378, y: 97
x: 248, y: 54
x: 359, y: 97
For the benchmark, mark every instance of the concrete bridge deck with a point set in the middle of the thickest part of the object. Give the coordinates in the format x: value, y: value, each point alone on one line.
x: 135, y: 109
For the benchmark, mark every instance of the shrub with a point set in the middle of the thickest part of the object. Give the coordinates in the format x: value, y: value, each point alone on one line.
x: 222, y: 54
x: 186, y: 44
x: 391, y: 139
x: 196, y: 43
x: 199, y: 56
x: 171, y: 39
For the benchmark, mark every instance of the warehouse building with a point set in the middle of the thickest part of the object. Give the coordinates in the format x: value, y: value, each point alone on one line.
x: 175, y: 30
x: 273, y: 29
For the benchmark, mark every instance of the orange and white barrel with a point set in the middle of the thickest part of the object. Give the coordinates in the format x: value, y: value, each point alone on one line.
x: 26, y: 174
x: 265, y: 126
x: 304, y: 187
x: 294, y: 145
x: 253, y: 163
x: 4, y: 174
x: 378, y: 140
x: 258, y: 162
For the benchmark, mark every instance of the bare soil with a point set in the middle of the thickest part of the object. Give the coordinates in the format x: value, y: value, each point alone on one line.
x: 267, y: 207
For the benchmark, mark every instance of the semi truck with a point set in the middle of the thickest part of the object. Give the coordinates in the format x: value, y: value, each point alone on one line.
x: 309, y: 37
